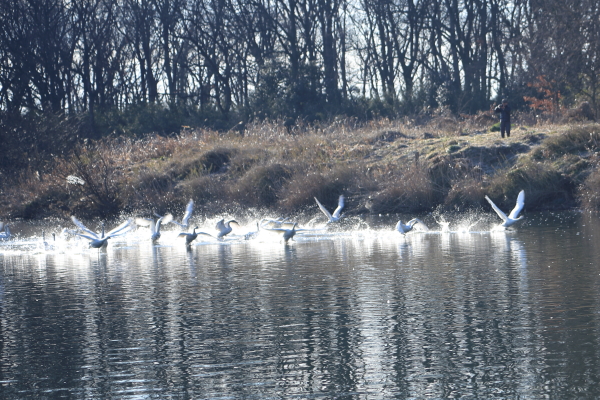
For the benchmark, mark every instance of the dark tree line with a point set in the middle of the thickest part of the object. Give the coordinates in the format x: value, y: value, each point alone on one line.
x: 293, y: 58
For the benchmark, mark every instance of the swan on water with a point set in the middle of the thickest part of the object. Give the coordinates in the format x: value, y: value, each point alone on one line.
x: 337, y: 214
x: 154, y: 225
x: 100, y: 240
x: 513, y: 216
x: 191, y: 236
x: 404, y: 229
x: 4, y: 234
x: 189, y: 209
x: 253, y: 234
x: 287, y: 233
x: 224, y: 227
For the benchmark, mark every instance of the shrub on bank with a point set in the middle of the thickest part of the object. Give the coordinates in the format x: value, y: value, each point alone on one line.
x: 327, y: 186
x: 544, y: 185
x: 260, y: 186
x: 408, y: 189
x: 588, y: 193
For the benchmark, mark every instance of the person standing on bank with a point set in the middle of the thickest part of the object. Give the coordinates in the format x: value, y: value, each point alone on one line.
x: 504, y: 110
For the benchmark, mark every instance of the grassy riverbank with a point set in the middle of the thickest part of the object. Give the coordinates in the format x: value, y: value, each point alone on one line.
x: 381, y: 167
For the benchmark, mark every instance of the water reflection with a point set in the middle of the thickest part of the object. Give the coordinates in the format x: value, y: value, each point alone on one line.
x: 355, y: 315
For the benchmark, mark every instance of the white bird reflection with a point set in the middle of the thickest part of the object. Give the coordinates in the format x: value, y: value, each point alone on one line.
x: 510, y: 250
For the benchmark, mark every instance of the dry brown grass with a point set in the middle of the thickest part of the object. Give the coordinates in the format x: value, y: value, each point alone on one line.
x: 382, y: 166
x: 577, y: 139
x: 466, y: 192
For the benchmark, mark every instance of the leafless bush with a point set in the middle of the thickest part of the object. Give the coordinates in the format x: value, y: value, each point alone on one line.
x: 581, y: 113
x: 99, y: 177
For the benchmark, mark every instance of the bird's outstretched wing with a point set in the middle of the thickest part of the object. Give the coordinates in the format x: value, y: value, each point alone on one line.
x: 188, y: 213
x: 272, y: 222
x: 287, y: 233
x: 206, y: 234
x: 147, y: 222
x: 277, y: 230
x: 84, y: 228
x: 338, y: 210
x: 498, y: 211
x: 221, y: 225
x: 417, y: 222
x: 90, y: 237
x: 121, y: 229
x: 197, y: 234
x: 327, y: 213
x: 164, y: 220
x: 400, y: 227
x: 519, y: 206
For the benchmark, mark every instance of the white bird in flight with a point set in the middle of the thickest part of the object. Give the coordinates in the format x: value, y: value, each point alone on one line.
x: 4, y: 234
x: 189, y: 209
x: 154, y: 225
x: 404, y: 229
x: 100, y: 240
x: 337, y: 214
x: 513, y: 216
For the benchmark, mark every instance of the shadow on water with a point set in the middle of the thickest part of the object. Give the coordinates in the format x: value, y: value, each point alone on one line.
x: 360, y: 313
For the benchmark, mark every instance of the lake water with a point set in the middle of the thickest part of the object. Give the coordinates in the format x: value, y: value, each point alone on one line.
x: 357, y: 313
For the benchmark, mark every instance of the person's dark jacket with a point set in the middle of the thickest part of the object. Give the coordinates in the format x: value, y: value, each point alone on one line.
x: 504, y: 111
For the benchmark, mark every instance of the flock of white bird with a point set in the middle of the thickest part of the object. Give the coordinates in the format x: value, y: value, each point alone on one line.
x: 282, y: 226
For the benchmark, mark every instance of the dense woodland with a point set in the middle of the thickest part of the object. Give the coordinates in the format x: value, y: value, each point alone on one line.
x: 90, y: 68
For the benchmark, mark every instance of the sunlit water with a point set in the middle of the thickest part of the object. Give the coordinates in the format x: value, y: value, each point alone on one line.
x: 357, y: 313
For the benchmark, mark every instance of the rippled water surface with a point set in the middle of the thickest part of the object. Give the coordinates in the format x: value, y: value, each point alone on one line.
x: 357, y: 313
